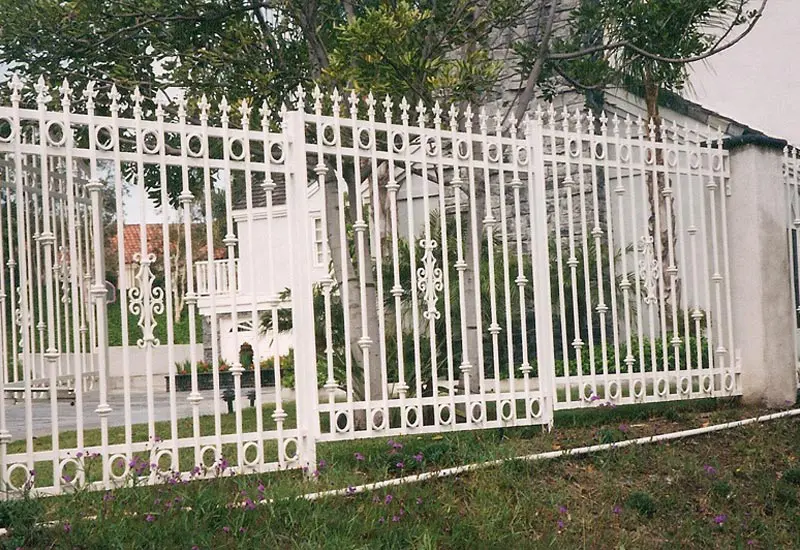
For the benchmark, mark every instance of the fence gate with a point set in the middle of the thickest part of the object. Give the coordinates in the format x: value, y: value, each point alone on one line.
x: 436, y: 315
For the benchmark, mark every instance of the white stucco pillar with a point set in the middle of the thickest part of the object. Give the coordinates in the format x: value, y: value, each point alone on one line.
x: 763, y: 309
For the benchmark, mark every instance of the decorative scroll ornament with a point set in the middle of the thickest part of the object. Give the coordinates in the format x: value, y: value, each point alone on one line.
x: 649, y: 269
x: 147, y: 300
x: 429, y: 279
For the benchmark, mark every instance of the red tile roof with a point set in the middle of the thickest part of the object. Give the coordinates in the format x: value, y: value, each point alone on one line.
x: 154, y: 235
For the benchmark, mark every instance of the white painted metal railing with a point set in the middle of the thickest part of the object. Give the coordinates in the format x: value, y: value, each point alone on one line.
x: 220, y: 277
x: 481, y: 276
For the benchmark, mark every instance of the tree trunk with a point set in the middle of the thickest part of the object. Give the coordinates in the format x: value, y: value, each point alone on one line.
x: 663, y: 204
x: 369, y: 353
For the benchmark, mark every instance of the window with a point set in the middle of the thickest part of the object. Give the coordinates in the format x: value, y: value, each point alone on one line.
x: 318, y: 236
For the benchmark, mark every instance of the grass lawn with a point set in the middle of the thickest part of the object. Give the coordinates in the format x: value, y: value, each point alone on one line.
x: 733, y: 489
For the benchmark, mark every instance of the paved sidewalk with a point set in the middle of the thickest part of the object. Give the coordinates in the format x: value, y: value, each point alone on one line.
x: 67, y: 414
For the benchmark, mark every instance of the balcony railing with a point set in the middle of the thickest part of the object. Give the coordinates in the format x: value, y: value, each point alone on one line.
x: 222, y: 279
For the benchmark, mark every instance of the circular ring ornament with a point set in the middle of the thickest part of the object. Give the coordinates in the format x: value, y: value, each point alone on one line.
x: 290, y: 457
x: 6, y: 122
x: 201, y: 146
x: 445, y: 419
x: 104, y: 137
x: 232, y: 143
x: 246, y: 447
x: 412, y: 420
x: 10, y: 475
x: 151, y: 142
x: 55, y: 142
x: 535, y: 408
x: 342, y: 427
x: 506, y: 410
x: 638, y: 389
x: 115, y: 460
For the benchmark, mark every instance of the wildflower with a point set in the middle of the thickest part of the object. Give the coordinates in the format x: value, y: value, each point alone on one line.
x: 380, y: 521
x: 226, y: 529
x: 249, y: 504
x: 223, y: 463
x: 388, y: 499
x: 418, y: 457
x: 751, y: 542
x: 359, y: 457
x: 720, y: 519
x: 395, y: 519
x: 149, y: 518
x: 67, y: 527
x: 261, y: 488
x: 242, y: 530
x: 322, y: 465
x: 66, y: 478
x: 79, y: 454
x: 350, y: 491
x: 617, y: 509
x: 623, y: 428
x: 562, y: 509
x: 710, y: 470
x: 157, y: 439
x: 108, y: 496
x: 400, y: 465
x: 32, y: 473
x: 560, y: 525
x: 594, y: 398
x: 376, y: 499
x: 419, y: 500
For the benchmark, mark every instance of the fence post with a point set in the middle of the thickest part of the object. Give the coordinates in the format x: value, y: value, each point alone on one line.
x: 305, y: 354
x: 763, y: 318
x: 543, y: 301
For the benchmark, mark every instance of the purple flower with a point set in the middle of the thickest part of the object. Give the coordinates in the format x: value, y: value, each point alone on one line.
x: 108, y: 496
x: 388, y: 499
x: 419, y: 500
x: 359, y: 457
x: 376, y: 499
x: 418, y: 457
x: 594, y: 398
x: 400, y: 465
x: 249, y: 504
x: 157, y: 439
x: 67, y: 527
x: 350, y: 491
x: 562, y: 509
x: 720, y: 519
x: 617, y: 509
x: 751, y: 542
x: 623, y: 428
x: 380, y: 521
x: 226, y: 529
x: 66, y: 478
x: 395, y: 519
x: 79, y: 454
x: 322, y: 465
x: 242, y: 530
x: 560, y: 525
x: 223, y: 463
x: 149, y: 518
x: 710, y: 470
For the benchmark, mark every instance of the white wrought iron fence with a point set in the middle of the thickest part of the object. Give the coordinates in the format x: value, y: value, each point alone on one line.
x: 433, y: 270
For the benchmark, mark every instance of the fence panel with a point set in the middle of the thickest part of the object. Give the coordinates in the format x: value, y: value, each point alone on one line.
x: 426, y: 322
x: 638, y: 261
